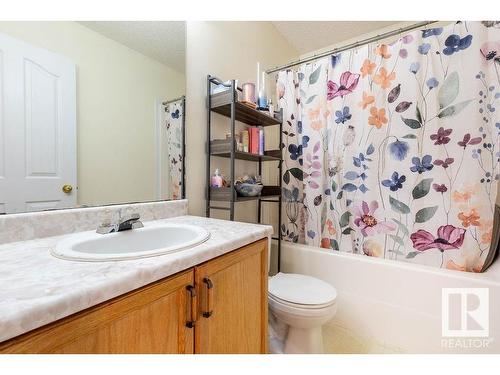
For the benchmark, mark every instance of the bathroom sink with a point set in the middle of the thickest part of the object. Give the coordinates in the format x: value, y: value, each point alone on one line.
x: 130, y: 244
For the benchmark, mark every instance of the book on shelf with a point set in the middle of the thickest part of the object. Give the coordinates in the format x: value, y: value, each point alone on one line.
x: 261, y: 141
x: 254, y: 140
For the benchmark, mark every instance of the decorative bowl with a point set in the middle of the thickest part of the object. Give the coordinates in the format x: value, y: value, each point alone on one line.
x: 248, y: 190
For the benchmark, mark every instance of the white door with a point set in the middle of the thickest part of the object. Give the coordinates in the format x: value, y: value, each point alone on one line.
x: 37, y: 128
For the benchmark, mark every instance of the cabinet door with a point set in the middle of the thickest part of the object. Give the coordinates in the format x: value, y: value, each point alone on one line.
x: 233, y: 302
x: 149, y: 320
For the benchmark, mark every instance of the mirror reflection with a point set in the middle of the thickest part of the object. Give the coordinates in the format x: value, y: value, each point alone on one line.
x: 91, y: 113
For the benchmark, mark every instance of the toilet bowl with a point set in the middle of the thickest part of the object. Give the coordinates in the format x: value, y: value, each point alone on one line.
x: 304, y: 304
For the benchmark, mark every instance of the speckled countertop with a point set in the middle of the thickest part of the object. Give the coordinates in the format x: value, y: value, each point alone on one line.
x: 37, y: 288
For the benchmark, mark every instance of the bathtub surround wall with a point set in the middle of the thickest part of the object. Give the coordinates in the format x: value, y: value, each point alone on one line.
x: 375, y: 163
x: 392, y: 307
x: 30, y: 226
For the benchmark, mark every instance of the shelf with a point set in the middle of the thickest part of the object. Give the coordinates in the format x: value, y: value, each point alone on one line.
x: 224, y: 194
x: 222, y: 148
x: 245, y: 156
x: 221, y: 104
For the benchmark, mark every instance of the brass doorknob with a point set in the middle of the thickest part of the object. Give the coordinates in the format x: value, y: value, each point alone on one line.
x: 67, y: 188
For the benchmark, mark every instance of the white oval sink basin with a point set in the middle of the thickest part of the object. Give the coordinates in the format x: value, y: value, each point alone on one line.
x: 130, y: 244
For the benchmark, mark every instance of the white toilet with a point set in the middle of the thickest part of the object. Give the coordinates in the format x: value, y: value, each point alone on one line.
x: 304, y: 304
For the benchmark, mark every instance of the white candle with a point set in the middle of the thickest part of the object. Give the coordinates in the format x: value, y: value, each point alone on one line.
x: 258, y: 78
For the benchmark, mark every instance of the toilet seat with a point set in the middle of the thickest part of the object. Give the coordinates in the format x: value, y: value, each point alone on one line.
x: 303, y: 304
x: 301, y: 291
x: 302, y: 312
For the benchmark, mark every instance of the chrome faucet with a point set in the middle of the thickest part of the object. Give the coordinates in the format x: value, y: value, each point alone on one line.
x: 126, y: 222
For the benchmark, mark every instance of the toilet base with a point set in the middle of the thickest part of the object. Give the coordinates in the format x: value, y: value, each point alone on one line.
x: 304, y: 341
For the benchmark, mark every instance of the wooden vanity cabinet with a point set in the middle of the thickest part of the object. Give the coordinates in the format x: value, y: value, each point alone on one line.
x: 233, y: 302
x: 216, y: 307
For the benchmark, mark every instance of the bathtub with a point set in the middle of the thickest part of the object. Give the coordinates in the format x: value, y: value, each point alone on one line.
x: 386, y: 306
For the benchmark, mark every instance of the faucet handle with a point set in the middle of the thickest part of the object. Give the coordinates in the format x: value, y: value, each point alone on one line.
x: 107, y: 227
x: 132, y: 216
x: 137, y: 224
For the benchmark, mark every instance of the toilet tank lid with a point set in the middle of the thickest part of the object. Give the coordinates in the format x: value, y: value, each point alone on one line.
x: 301, y: 289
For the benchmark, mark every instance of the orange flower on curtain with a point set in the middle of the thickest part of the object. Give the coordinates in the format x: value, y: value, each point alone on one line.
x: 367, y: 100
x: 383, y: 79
x: 383, y: 50
x: 472, y: 218
x: 367, y: 68
x: 465, y: 195
x: 377, y: 117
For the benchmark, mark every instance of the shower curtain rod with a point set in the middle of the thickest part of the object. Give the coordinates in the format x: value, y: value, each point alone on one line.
x: 173, y: 100
x: 352, y: 45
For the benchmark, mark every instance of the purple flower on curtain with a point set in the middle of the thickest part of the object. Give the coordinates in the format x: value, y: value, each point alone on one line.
x: 454, y: 44
x: 395, y: 182
x: 491, y: 23
x: 468, y: 141
x: 342, y: 116
x: 295, y: 151
x: 440, y: 188
x: 430, y: 32
x: 444, y: 163
x: 175, y: 114
x: 407, y: 39
x: 421, y: 166
x: 348, y: 82
x: 432, y: 83
x: 403, y: 53
x: 399, y: 149
x: 448, y: 238
x: 414, y: 67
x: 299, y: 126
x: 368, y: 222
x: 291, y: 195
x: 305, y: 140
x: 441, y: 137
x: 424, y: 48
x: 335, y: 59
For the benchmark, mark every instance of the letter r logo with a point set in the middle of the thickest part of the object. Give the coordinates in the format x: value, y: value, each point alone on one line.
x: 465, y: 312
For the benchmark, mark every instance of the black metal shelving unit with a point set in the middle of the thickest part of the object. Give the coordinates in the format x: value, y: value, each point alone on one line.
x: 226, y: 104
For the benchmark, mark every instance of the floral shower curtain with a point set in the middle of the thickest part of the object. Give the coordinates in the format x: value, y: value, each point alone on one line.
x: 174, y: 124
x: 392, y: 151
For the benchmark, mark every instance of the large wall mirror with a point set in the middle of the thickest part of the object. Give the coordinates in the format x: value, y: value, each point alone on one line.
x: 91, y: 113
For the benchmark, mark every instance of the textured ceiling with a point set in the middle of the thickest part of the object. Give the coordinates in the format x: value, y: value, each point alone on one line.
x: 163, y: 41
x: 308, y: 36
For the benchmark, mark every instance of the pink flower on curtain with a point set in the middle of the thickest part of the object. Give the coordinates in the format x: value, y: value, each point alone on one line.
x: 348, y: 82
x: 368, y: 222
x: 448, y: 238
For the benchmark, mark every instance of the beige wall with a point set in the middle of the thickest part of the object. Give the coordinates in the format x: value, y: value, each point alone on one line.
x: 116, y: 92
x: 228, y: 50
